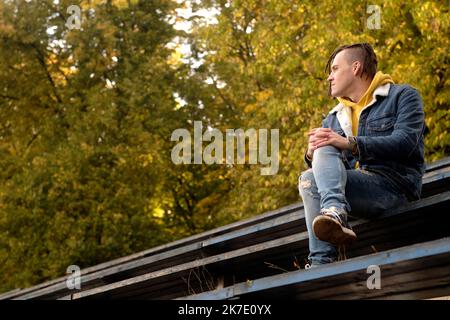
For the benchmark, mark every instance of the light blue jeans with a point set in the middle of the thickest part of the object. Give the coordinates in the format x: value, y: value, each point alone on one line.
x: 330, y: 184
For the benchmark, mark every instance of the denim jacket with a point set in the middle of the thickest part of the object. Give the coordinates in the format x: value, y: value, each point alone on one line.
x: 390, y: 137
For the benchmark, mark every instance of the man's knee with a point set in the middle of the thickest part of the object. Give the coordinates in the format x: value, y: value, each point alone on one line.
x: 328, y: 150
x: 306, y: 180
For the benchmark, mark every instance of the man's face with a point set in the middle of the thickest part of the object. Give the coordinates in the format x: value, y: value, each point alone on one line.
x: 342, y: 75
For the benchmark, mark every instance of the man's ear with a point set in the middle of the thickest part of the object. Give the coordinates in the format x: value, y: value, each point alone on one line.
x: 356, y: 68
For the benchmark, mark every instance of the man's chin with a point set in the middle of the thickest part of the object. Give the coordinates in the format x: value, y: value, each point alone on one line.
x: 335, y: 94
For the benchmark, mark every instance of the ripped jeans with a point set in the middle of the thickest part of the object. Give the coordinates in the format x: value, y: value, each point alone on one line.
x: 329, y: 183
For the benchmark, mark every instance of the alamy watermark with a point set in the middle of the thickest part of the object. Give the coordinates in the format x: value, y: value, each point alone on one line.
x: 74, y: 279
x: 374, y: 20
x: 74, y: 20
x: 213, y: 153
x: 374, y: 281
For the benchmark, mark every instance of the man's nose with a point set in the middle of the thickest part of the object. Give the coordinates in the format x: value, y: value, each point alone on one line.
x: 330, y: 77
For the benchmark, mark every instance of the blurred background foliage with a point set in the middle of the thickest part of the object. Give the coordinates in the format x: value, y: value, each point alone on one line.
x: 87, y: 115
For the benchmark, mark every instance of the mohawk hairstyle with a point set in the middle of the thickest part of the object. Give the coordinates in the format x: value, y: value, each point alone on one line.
x: 362, y: 52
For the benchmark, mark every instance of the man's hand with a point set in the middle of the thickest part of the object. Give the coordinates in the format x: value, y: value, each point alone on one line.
x: 319, y: 137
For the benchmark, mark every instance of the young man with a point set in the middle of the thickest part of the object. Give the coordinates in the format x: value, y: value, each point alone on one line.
x: 367, y: 157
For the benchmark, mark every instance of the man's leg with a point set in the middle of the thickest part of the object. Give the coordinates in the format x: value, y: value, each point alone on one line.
x: 369, y: 194
x: 361, y: 191
x: 331, y: 177
x: 321, y: 252
x: 323, y: 186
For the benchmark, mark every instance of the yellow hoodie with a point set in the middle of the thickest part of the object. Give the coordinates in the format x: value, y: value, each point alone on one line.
x: 378, y: 80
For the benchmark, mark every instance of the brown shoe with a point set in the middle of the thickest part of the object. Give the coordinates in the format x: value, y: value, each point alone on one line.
x: 331, y: 226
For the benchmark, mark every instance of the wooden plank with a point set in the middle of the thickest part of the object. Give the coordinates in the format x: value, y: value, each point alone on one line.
x: 436, y: 181
x: 444, y: 162
x: 188, y: 266
x: 407, y: 275
x: 153, y: 286
x: 427, y: 293
x: 429, y: 251
x: 415, y: 206
x: 126, y: 270
x: 246, y: 254
x: 438, y: 173
x: 159, y: 261
x: 169, y: 246
x: 388, y: 234
x: 251, y: 234
x: 401, y: 276
x: 400, y: 283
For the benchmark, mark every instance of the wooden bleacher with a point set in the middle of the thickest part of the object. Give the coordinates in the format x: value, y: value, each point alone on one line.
x: 263, y: 257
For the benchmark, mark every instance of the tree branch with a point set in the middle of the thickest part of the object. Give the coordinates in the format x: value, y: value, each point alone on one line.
x: 41, y: 60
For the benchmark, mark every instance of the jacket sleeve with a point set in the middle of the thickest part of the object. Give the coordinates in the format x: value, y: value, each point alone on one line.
x: 406, y: 135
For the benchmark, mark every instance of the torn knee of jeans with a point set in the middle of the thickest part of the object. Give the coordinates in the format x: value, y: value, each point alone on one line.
x: 308, y: 191
x: 305, y: 181
x: 305, y: 184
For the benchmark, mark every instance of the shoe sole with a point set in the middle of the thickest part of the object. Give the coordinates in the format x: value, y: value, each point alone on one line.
x: 329, y: 230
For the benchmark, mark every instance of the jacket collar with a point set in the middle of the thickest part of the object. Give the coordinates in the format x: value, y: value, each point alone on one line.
x: 382, y: 91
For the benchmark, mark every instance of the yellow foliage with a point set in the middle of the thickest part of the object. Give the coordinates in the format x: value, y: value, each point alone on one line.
x: 250, y: 108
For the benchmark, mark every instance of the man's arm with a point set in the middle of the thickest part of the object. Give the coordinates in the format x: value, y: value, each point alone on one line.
x: 406, y: 135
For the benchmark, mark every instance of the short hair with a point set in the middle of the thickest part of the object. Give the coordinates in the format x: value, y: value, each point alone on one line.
x: 362, y: 52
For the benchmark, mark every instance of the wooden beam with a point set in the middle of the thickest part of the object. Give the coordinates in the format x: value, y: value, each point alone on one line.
x: 418, y: 257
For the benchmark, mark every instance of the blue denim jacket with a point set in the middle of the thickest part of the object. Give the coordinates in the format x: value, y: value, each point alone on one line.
x: 390, y: 137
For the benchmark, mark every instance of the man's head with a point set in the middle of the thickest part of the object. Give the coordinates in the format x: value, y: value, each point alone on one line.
x: 349, y: 66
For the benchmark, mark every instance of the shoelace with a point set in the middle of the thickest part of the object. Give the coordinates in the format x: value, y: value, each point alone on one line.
x: 332, y: 213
